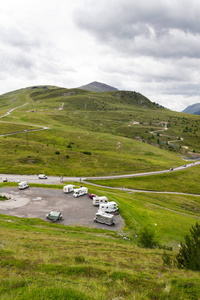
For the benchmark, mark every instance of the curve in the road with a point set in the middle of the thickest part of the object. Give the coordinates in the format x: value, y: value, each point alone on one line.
x: 22, y: 131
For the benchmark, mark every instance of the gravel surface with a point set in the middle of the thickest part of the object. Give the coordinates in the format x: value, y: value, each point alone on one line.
x: 35, y: 202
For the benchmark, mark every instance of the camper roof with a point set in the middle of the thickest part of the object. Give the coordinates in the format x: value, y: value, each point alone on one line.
x: 99, y: 213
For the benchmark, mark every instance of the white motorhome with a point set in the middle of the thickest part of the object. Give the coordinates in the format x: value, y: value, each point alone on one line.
x: 80, y: 191
x: 68, y: 188
x: 97, y: 200
x: 23, y: 185
x: 104, y: 218
x: 109, y: 207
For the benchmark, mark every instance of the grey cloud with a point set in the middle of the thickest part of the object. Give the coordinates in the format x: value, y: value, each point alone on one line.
x: 14, y: 37
x: 161, y: 29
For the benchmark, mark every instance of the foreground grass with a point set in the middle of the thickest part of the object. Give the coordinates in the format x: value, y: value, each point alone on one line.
x: 47, y: 261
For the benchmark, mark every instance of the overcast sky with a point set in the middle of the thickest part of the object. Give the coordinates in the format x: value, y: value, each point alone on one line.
x: 152, y: 47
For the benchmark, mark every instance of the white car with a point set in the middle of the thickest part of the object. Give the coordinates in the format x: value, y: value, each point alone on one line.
x: 16, y: 180
x: 42, y: 176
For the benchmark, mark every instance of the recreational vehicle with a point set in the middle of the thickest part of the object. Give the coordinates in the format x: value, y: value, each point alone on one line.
x: 23, y: 185
x: 109, y: 207
x: 80, y: 191
x: 68, y: 188
x: 104, y: 218
x: 97, y: 200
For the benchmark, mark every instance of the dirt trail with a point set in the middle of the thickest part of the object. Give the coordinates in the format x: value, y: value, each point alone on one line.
x: 22, y: 131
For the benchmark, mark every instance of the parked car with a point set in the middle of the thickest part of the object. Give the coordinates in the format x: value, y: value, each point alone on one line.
x: 91, y: 196
x: 42, y: 176
x: 54, y: 216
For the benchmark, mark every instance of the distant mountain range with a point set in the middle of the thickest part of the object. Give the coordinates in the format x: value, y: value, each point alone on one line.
x: 96, y: 86
x: 192, y: 109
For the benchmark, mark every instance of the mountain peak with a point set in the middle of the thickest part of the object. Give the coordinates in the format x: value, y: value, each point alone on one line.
x: 96, y: 86
x: 192, y: 109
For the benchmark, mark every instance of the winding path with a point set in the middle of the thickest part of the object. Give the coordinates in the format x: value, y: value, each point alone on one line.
x: 22, y: 131
x: 56, y: 180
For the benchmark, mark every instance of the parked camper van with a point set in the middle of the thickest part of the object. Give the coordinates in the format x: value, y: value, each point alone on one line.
x: 104, y: 218
x: 68, y: 188
x: 97, y: 200
x: 23, y: 185
x: 80, y: 191
x: 109, y: 207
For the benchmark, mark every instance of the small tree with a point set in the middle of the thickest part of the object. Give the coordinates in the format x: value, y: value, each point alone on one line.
x: 189, y: 253
x: 147, y: 238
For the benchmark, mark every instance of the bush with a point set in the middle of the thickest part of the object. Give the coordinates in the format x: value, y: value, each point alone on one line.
x: 87, y: 152
x: 189, y: 253
x: 57, y: 152
x: 147, y: 238
x: 166, y: 260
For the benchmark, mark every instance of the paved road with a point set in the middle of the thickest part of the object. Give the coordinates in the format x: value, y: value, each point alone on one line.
x: 56, y: 179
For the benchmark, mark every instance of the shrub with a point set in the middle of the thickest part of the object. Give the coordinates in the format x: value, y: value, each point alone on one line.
x: 87, y: 152
x: 166, y: 260
x: 57, y: 152
x: 147, y: 238
x: 189, y: 253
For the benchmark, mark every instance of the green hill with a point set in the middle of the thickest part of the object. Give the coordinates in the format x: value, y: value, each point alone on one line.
x: 91, y: 133
x: 76, y: 132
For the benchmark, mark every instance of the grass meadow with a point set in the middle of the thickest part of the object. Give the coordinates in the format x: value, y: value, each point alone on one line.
x: 41, y: 260
x: 184, y: 181
x: 93, y: 134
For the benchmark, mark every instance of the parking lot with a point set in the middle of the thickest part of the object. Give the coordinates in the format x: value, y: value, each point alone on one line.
x: 36, y: 202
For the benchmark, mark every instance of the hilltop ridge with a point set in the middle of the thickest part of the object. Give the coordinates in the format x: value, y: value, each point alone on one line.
x: 192, y: 109
x: 96, y: 86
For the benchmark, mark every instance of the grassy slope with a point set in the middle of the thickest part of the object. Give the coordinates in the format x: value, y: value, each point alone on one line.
x: 185, y: 181
x: 44, y: 261
x: 96, y: 263
x: 83, y: 122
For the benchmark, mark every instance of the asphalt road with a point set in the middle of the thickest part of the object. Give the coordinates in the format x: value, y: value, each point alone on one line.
x: 56, y: 179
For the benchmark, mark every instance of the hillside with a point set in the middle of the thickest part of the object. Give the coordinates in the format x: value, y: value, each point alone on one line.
x: 98, y: 87
x: 40, y: 260
x: 75, y: 132
x: 192, y: 109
